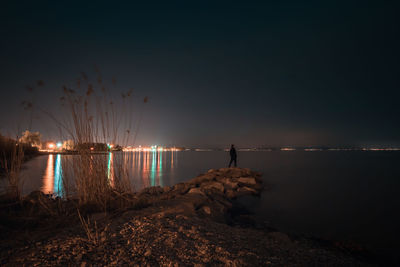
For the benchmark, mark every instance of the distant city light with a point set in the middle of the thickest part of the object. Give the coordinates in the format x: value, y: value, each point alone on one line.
x: 59, y: 144
x: 153, y: 148
x: 50, y: 145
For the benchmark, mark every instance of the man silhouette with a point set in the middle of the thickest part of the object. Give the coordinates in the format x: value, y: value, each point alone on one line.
x: 233, y: 155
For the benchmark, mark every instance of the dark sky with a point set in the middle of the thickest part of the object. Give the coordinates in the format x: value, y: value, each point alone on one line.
x: 284, y: 73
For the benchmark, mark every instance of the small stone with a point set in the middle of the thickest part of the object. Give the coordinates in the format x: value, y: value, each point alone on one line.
x: 148, y: 252
x: 207, y: 210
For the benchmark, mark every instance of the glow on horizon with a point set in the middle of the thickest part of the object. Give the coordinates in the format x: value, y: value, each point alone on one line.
x: 149, y: 148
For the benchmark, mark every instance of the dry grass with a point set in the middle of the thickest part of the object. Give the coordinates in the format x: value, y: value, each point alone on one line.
x: 13, y: 154
x: 92, y: 117
x: 94, y: 235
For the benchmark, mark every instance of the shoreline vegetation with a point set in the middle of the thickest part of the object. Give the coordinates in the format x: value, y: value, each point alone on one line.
x: 195, y: 223
x: 13, y: 151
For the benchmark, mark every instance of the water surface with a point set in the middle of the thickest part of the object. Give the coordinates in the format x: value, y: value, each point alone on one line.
x: 349, y: 195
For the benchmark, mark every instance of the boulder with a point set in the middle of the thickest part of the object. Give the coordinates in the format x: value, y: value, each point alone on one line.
x: 247, y: 180
x: 182, y: 188
x: 236, y: 172
x: 242, y: 191
x: 216, y: 185
x: 154, y: 190
x: 166, y: 189
x: 229, y: 184
x: 202, y: 179
x: 196, y: 190
x: 230, y: 194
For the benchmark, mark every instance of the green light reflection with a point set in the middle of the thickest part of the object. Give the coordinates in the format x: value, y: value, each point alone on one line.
x: 58, y: 184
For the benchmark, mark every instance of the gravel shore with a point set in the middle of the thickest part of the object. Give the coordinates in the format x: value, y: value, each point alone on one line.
x: 190, y: 224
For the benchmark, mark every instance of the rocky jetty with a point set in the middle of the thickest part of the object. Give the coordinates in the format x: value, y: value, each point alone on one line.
x: 188, y: 224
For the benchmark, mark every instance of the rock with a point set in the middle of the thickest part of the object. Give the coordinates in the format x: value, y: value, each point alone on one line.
x: 36, y: 195
x: 153, y: 190
x: 246, y: 191
x: 166, y: 188
x: 247, y: 171
x: 182, y: 188
x: 196, y: 190
x: 247, y: 180
x: 218, y: 186
x: 229, y: 184
x: 207, y: 210
x: 78, y: 257
x: 203, y: 179
x: 235, y: 172
x: 230, y: 194
x: 148, y: 252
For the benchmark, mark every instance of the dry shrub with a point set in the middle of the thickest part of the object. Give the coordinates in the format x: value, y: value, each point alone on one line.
x: 11, y: 159
x: 94, y: 235
x: 93, y: 120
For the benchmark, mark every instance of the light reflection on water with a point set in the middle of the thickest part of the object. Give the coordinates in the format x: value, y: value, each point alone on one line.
x: 52, y: 178
x: 329, y: 194
x: 58, y: 184
x: 145, y: 168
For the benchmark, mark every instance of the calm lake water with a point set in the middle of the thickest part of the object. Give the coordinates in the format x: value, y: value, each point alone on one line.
x: 345, y: 195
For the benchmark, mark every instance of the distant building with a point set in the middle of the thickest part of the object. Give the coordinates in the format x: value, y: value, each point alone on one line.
x: 68, y: 145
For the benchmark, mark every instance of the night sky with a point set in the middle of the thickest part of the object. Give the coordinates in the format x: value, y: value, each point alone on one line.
x: 288, y: 73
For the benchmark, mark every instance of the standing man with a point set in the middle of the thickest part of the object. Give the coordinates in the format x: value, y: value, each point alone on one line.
x: 233, y: 155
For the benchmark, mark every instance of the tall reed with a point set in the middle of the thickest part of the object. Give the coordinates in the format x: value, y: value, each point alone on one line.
x: 11, y: 159
x: 95, y: 120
